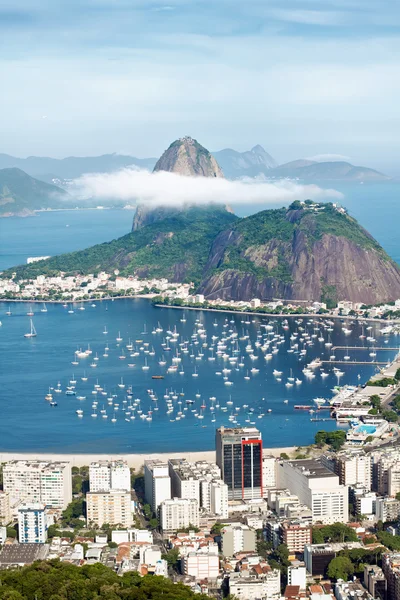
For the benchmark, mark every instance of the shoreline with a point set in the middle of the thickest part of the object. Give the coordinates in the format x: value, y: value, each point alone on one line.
x: 281, y: 315
x: 225, y: 311
x: 135, y: 461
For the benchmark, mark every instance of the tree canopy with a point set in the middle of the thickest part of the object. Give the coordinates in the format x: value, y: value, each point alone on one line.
x: 54, y: 580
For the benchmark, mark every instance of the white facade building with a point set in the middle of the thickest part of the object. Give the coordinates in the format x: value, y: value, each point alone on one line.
x: 179, y: 513
x: 112, y: 507
x: 316, y: 487
x: 109, y: 475
x: 253, y: 588
x: 157, y: 483
x: 32, y: 523
x: 297, y: 575
x: 355, y: 468
x: 33, y: 481
x: 5, y: 510
x: 201, y: 565
x: 132, y: 535
x: 219, y: 499
x: 269, y: 473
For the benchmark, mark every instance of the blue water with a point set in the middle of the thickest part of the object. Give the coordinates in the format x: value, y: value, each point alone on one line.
x: 365, y: 429
x: 29, y: 367
x: 375, y: 206
x: 51, y: 233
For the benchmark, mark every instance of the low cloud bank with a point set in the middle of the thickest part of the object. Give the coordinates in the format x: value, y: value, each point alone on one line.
x: 164, y: 188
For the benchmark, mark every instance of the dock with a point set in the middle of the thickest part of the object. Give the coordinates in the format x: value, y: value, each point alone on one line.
x: 396, y: 348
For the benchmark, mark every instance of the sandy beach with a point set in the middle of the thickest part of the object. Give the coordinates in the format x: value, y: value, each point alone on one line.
x: 135, y: 461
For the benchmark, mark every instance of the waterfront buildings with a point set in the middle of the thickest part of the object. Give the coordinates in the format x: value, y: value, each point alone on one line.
x: 179, y: 513
x: 112, y: 507
x: 239, y: 456
x: 238, y: 538
x: 157, y: 483
x: 316, y: 487
x: 38, y: 481
x: 109, y: 475
x: 32, y: 523
x: 201, y: 481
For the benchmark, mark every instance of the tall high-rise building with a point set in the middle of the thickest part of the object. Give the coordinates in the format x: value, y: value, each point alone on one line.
x: 239, y: 456
x: 32, y: 523
x: 157, y: 482
x: 35, y: 481
x: 109, y: 475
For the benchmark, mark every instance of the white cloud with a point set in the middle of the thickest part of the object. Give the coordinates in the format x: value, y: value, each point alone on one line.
x: 329, y: 157
x: 164, y: 188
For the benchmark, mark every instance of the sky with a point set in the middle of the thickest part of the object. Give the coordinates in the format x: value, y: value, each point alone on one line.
x: 302, y: 78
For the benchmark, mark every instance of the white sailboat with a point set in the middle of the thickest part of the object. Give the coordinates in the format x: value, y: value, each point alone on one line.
x: 44, y: 309
x: 32, y: 332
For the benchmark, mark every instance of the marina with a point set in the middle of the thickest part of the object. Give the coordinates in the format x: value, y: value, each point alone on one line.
x: 141, y: 379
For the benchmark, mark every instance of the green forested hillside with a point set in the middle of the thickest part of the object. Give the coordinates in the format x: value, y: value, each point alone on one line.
x: 21, y: 194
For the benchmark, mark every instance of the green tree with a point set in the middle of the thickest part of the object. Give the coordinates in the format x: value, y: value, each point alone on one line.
x: 340, y: 567
x: 172, y: 557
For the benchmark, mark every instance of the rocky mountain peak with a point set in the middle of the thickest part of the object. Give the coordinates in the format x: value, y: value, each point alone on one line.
x: 187, y: 157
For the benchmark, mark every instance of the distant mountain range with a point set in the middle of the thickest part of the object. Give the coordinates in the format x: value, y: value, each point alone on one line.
x: 310, y: 170
x: 234, y: 165
x: 49, y: 169
x: 245, y: 164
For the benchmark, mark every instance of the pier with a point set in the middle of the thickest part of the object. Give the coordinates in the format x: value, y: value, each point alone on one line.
x: 356, y: 362
x: 396, y: 348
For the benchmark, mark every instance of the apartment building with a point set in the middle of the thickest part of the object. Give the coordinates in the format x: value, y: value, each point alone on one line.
x: 316, y: 487
x: 354, y: 468
x: 237, y: 538
x: 268, y: 473
x: 296, y: 536
x: 184, y: 481
x: 179, y: 513
x: 112, y: 507
x: 253, y: 587
x: 32, y: 523
x: 157, y: 483
x: 30, y: 481
x: 201, y: 565
x: 5, y: 510
x: 109, y: 475
x: 391, y: 570
x: 387, y: 509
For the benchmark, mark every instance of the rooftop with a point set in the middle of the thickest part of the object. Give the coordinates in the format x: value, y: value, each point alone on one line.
x: 26, y: 554
x: 311, y: 468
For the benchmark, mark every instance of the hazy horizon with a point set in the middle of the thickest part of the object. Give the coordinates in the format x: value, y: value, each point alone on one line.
x: 88, y: 78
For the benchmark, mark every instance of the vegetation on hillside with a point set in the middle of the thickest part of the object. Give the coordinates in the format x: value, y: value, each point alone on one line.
x: 178, y: 246
x: 20, y: 192
x: 54, y: 580
x: 181, y: 242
